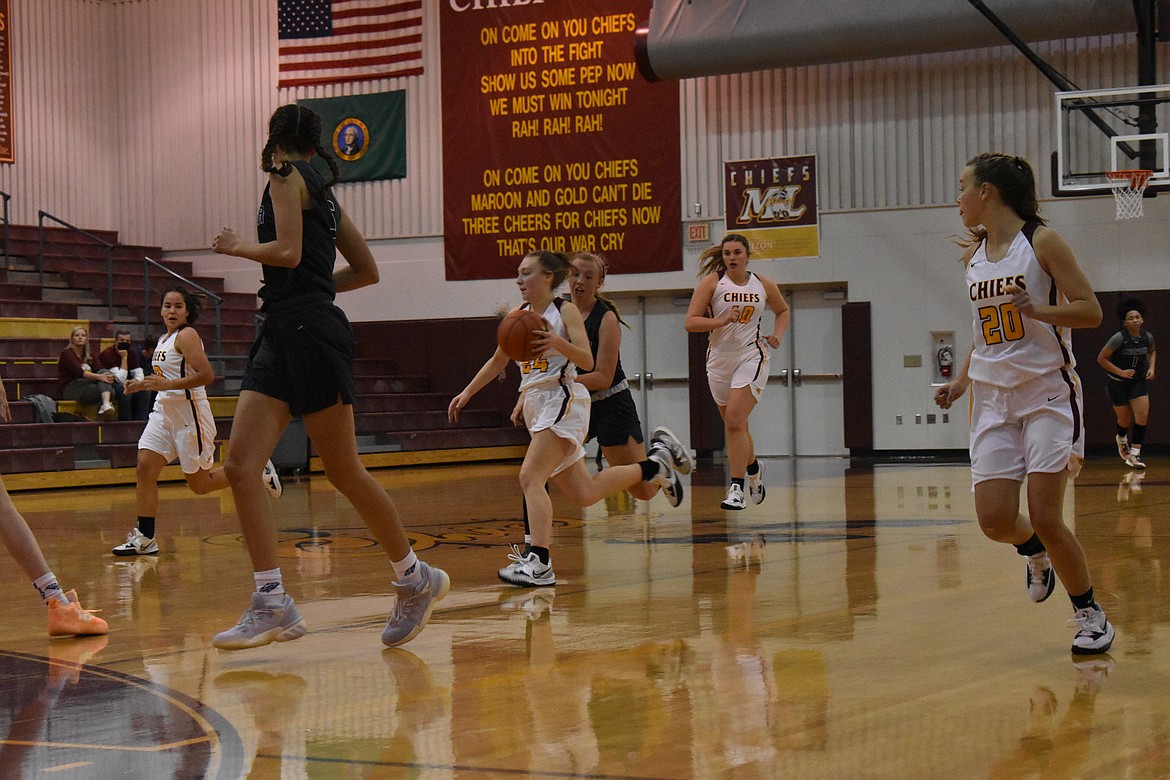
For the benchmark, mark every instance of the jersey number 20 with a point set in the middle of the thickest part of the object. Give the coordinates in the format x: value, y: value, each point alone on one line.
x: 1001, y: 323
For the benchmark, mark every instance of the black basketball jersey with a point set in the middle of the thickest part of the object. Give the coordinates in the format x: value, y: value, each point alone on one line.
x: 593, y: 330
x: 1131, y: 353
x: 314, y: 275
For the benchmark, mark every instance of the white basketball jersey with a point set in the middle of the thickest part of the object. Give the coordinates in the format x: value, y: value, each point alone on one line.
x: 171, y: 364
x: 552, y: 366
x: 752, y: 299
x: 1010, y: 348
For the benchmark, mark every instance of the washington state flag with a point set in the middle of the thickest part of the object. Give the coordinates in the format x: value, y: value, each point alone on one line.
x: 366, y: 133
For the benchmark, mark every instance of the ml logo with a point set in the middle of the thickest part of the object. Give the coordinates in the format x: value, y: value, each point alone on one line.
x: 774, y: 204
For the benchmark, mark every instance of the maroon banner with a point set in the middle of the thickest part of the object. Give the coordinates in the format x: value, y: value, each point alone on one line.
x: 552, y: 140
x: 6, y: 152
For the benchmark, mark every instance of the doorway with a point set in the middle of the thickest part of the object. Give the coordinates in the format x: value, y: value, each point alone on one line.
x: 801, y: 411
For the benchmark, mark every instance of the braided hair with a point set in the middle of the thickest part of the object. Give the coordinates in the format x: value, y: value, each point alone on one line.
x: 295, y: 129
x: 1013, y: 177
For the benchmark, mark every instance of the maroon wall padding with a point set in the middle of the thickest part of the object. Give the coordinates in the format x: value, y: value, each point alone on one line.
x: 447, y: 352
x: 707, y: 436
x: 857, y: 375
x: 1100, y: 422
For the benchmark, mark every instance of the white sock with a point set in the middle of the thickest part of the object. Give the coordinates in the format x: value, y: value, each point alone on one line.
x: 49, y: 588
x: 1136, y: 450
x: 407, y: 571
x: 270, y: 585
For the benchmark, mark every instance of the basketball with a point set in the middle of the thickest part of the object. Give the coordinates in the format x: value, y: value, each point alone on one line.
x: 515, y: 333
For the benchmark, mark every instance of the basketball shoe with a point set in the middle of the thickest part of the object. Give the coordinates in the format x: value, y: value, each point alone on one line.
x: 272, y: 480
x: 756, y: 485
x: 261, y: 625
x: 1041, y: 579
x: 136, y: 544
x: 413, y: 606
x: 680, y: 456
x: 527, y: 571
x: 1095, y: 633
x: 667, y: 477
x: 1122, y: 447
x: 1134, y: 459
x: 734, y: 499
x: 72, y: 619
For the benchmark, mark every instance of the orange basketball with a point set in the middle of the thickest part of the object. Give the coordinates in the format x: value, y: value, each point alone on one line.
x: 515, y: 333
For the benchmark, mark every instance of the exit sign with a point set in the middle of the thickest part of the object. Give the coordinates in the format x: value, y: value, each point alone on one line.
x: 698, y: 232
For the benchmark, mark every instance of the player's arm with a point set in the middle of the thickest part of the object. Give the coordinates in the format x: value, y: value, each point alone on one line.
x: 954, y: 389
x: 361, y: 270
x: 289, y: 194
x: 489, y: 371
x: 199, y: 371
x: 1082, y: 310
x: 575, y: 348
x: 609, y: 345
x: 1153, y: 356
x: 5, y: 412
x: 697, y: 320
x: 779, y: 307
x: 1105, y: 360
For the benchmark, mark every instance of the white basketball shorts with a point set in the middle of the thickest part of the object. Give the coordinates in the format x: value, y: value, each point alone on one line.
x: 181, y: 429
x: 564, y: 411
x: 745, y: 369
x: 1037, y: 426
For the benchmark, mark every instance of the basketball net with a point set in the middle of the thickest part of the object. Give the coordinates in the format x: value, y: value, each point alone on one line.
x: 1128, y: 189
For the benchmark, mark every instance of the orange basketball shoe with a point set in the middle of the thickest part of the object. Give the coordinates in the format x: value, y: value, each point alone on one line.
x: 72, y: 619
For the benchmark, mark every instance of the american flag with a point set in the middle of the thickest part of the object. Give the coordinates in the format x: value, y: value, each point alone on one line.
x: 340, y: 41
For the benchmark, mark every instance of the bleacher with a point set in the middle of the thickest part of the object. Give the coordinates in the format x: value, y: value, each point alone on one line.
x: 400, y: 415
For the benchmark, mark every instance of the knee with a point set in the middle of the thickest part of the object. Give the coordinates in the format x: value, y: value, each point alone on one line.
x: 531, y: 479
x: 346, y: 481
x: 199, y: 488
x: 735, y: 425
x: 236, y: 471
x: 998, y: 527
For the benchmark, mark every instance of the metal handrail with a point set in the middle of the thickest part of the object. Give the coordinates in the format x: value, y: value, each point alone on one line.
x: 41, y: 216
x: 214, y: 297
x: 6, y: 198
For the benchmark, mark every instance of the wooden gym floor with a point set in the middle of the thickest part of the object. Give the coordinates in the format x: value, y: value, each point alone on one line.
x: 855, y: 625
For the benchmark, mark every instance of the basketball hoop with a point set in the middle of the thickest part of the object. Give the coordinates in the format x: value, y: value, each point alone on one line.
x: 1128, y: 189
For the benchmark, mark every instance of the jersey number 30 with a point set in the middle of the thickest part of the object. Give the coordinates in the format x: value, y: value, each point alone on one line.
x: 1001, y: 323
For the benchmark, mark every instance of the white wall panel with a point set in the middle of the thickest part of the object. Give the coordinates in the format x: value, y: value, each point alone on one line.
x: 891, y: 133
x: 62, y: 129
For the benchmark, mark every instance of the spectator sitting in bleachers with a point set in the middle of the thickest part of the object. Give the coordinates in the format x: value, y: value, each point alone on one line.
x: 81, y: 379
x: 123, y: 360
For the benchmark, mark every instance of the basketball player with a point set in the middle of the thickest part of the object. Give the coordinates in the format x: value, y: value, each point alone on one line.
x: 613, y: 417
x: 1027, y: 292
x: 181, y: 424
x: 556, y: 411
x: 1128, y: 359
x: 302, y: 365
x: 729, y: 303
x: 66, y: 616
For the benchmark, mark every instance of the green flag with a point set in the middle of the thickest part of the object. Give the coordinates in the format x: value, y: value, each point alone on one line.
x: 366, y: 133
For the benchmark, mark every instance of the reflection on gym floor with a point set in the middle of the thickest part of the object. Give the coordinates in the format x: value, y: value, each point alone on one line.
x: 856, y: 624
